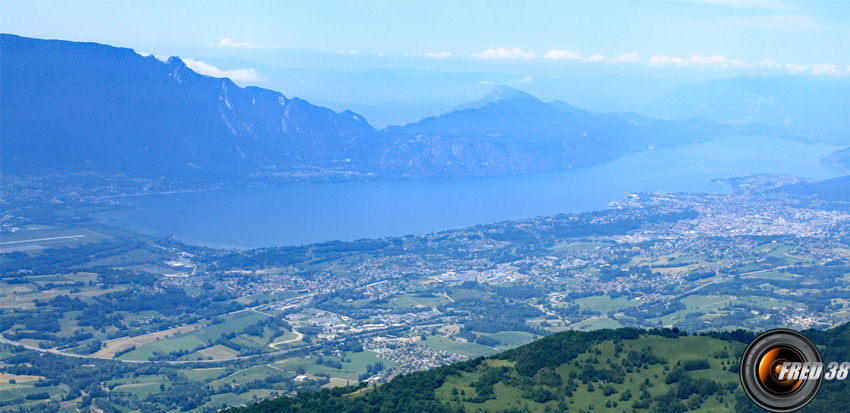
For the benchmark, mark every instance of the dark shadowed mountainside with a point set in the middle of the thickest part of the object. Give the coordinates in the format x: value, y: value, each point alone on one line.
x: 830, y: 194
x: 86, y: 106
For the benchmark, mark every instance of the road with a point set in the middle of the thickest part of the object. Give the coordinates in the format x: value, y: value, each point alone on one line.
x: 298, y: 336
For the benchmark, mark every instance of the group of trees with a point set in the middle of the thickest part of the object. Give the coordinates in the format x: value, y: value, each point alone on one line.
x: 492, y: 314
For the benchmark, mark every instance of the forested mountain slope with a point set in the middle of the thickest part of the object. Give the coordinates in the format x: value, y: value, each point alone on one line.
x: 624, y: 369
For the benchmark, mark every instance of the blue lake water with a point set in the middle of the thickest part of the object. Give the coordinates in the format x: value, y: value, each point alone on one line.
x: 307, y: 213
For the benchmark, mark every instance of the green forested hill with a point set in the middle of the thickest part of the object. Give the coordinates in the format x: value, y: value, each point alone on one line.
x: 606, y: 370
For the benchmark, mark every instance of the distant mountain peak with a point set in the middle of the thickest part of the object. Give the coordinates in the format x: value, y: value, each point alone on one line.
x: 500, y: 94
x: 503, y: 92
x: 175, y: 61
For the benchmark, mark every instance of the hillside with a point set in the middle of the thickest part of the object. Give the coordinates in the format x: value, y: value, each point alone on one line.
x: 839, y: 159
x: 611, y: 370
x: 831, y: 194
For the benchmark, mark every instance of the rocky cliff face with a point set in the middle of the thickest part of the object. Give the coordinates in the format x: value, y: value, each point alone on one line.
x: 71, y: 106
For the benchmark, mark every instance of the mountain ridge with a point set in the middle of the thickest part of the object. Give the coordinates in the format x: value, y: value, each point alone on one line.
x: 509, y: 131
x: 128, y: 111
x: 93, y: 107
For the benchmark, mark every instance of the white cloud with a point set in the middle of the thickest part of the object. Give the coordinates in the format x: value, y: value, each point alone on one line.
x: 724, y: 62
x: 571, y: 55
x: 441, y: 55
x: 749, y: 4
x: 485, y: 82
x: 628, y: 58
x: 526, y: 79
x: 696, y: 60
x: 827, y: 69
x: 348, y: 53
x: 818, y: 69
x: 161, y: 58
x: 230, y: 44
x: 562, y: 54
x: 237, y: 75
x: 796, y: 68
x: 660, y: 61
x: 502, y: 53
x: 776, y: 22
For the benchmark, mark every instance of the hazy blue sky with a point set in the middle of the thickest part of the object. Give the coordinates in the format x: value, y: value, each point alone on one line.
x: 714, y: 38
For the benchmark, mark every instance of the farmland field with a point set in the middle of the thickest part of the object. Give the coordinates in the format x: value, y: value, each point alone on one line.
x: 452, y: 346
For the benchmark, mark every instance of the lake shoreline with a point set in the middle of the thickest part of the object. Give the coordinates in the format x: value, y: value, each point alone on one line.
x: 296, y: 214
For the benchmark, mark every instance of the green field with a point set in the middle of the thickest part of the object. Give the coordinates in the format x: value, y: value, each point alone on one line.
x: 23, y: 295
x: 203, y: 337
x: 406, y: 301
x: 700, y: 307
x: 272, y: 297
x: 203, y: 374
x: 579, y: 246
x: 464, y: 349
x: 512, y: 338
x: 16, y: 391
x: 769, y: 302
x: 163, y: 346
x: 363, y: 302
x: 248, y: 375
x: 234, y: 323
x: 774, y: 275
x: 703, y: 302
x: 219, y: 352
x: 775, y: 249
x: 142, y: 389
x: 351, y: 370
x: 605, y: 304
x: 595, y: 323
x: 229, y: 399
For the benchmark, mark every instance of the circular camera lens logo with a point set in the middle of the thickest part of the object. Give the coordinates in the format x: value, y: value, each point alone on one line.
x: 781, y: 370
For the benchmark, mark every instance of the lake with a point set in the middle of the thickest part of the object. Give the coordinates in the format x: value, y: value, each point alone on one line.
x: 306, y: 213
